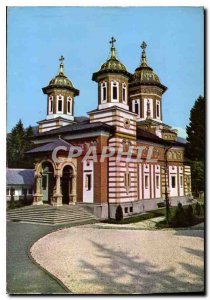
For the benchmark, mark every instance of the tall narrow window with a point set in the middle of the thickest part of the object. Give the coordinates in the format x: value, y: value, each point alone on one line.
x: 51, y: 105
x: 181, y: 181
x: 115, y: 91
x: 88, y: 182
x: 157, y: 181
x: 124, y: 93
x: 60, y: 104
x: 136, y: 105
x: 173, y: 182
x: 146, y: 181
x: 158, y: 109
x: 104, y: 92
x: 69, y: 105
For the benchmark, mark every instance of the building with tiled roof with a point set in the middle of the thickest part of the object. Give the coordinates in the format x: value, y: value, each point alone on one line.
x: 121, y: 154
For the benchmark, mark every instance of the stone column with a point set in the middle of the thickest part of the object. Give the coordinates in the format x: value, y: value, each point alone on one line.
x: 73, y: 195
x: 38, y: 195
x: 57, y: 196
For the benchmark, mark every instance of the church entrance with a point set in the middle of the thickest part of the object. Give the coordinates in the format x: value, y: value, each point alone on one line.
x: 66, y: 184
x: 48, y: 182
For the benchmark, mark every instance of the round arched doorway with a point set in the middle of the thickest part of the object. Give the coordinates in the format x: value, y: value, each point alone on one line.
x: 66, y: 184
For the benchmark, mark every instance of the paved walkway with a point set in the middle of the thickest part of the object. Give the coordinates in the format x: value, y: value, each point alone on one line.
x: 23, y: 276
x: 90, y: 260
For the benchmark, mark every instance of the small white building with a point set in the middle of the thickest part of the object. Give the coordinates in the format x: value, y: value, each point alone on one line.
x: 21, y: 182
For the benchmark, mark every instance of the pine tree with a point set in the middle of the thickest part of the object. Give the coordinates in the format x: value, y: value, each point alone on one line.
x: 18, y: 142
x: 195, y: 147
x: 196, y: 131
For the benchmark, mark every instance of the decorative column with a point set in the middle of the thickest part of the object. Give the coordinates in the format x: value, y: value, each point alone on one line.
x: 73, y: 195
x: 38, y: 195
x: 57, y: 196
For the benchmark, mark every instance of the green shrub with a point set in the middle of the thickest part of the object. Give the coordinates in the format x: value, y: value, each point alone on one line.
x: 189, y: 215
x: 179, y: 218
x: 198, y: 209
x: 119, y: 213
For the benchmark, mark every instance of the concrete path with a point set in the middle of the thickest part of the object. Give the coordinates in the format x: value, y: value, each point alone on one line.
x: 23, y: 276
x: 110, y: 261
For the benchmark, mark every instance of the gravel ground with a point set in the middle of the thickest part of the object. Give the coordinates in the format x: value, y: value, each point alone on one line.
x: 110, y: 261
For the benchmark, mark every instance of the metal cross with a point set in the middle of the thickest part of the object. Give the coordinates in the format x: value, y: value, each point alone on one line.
x: 143, y: 45
x: 61, y: 59
x: 112, y: 41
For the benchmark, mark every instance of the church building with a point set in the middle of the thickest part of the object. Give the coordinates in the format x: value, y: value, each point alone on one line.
x: 122, y: 153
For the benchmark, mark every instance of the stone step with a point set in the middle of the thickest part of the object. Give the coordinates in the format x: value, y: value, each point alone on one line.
x: 45, y: 214
x: 50, y: 222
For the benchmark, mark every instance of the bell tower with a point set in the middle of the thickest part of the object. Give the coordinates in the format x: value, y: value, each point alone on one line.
x: 112, y: 79
x: 145, y: 91
x: 60, y: 101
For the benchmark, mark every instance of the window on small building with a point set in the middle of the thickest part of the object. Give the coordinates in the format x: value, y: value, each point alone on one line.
x: 126, y: 210
x: 8, y: 192
x: 24, y: 191
x: 146, y: 181
x: 157, y: 181
x: 30, y: 191
x: 88, y: 182
x: 131, y: 209
x: 181, y: 181
x: 124, y: 93
x: 173, y: 181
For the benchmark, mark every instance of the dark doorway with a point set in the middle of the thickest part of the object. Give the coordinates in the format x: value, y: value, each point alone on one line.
x: 48, y: 182
x: 66, y: 184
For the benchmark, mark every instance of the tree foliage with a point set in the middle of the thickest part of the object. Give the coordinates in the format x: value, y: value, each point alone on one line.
x: 195, y: 147
x: 196, y: 131
x: 18, y: 142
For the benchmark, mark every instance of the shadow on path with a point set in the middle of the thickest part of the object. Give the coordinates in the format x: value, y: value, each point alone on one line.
x: 121, y: 273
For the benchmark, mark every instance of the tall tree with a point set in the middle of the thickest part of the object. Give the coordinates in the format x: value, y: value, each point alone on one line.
x: 195, y: 148
x: 18, y: 141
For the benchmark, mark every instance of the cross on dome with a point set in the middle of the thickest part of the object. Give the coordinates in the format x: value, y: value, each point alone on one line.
x: 112, y: 41
x: 61, y: 59
x: 143, y: 46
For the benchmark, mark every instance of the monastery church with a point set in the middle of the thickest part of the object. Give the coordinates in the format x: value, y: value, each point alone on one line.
x: 128, y: 116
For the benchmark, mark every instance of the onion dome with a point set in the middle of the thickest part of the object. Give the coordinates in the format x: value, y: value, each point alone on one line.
x: 61, y: 81
x: 112, y: 65
x: 144, y: 75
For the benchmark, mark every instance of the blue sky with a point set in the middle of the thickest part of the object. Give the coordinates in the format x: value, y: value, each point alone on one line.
x: 37, y: 36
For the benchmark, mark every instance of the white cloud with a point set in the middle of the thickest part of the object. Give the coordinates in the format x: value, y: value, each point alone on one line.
x: 181, y: 132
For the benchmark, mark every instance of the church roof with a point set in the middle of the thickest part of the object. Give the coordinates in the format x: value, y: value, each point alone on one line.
x: 78, y: 128
x: 50, y: 146
x: 61, y: 81
x: 112, y: 65
x: 20, y: 177
x: 144, y: 74
x: 148, y: 136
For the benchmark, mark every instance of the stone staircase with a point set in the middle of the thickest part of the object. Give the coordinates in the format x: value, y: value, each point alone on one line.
x: 49, y: 215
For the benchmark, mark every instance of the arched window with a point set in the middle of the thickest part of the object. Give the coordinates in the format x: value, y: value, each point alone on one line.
x: 69, y: 105
x: 60, y: 104
x: 51, y: 105
x: 124, y: 93
x: 157, y: 109
x: 114, y: 91
x: 136, y: 107
x: 104, y: 92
